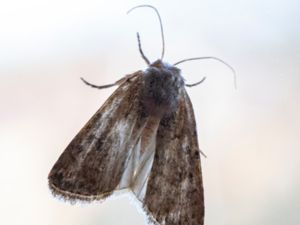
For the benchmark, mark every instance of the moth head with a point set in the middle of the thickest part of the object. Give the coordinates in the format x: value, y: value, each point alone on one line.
x: 169, y: 73
x: 164, y: 66
x: 162, y: 85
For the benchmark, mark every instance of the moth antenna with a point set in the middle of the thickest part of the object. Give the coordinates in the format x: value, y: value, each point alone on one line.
x: 140, y: 49
x: 194, y: 84
x: 214, y: 58
x: 96, y: 86
x: 160, y: 23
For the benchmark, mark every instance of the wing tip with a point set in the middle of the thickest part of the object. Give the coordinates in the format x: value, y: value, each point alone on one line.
x: 142, y: 208
x: 150, y: 219
x: 75, y: 197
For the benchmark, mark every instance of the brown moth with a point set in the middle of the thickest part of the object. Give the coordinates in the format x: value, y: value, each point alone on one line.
x: 143, y: 139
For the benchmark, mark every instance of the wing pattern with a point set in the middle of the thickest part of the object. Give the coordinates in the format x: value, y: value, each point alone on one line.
x: 92, y: 165
x: 174, y: 193
x: 123, y: 147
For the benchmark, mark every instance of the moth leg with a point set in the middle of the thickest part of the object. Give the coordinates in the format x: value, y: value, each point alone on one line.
x: 194, y: 84
x: 118, y: 82
x: 96, y: 86
x: 126, y: 78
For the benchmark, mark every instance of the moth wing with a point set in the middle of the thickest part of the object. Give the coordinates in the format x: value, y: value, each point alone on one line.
x: 92, y: 165
x: 174, y: 192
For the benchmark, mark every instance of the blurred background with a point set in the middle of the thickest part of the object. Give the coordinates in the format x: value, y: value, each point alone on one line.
x: 250, y: 135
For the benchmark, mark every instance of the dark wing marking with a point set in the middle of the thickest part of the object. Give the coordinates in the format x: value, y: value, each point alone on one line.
x: 174, y: 194
x: 92, y: 165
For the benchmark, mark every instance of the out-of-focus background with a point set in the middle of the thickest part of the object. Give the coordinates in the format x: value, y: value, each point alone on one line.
x: 251, y: 135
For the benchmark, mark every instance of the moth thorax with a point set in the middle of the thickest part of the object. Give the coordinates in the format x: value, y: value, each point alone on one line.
x: 162, y: 86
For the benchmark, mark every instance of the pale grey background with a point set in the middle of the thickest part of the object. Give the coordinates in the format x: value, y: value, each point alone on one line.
x: 251, y: 135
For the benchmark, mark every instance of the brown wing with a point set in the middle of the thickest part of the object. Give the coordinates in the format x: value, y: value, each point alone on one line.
x: 174, y: 194
x: 92, y: 165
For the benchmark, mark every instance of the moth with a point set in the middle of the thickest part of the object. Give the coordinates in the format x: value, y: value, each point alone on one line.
x: 143, y: 139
